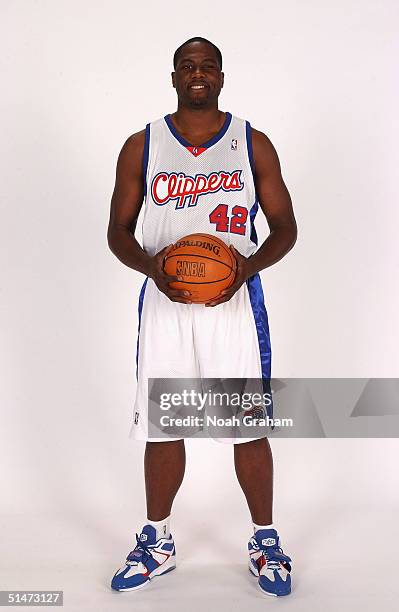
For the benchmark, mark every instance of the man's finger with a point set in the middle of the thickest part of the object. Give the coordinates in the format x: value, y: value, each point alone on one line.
x: 181, y: 301
x: 165, y: 249
x: 162, y: 254
x: 219, y: 300
x: 172, y: 279
x: 236, y: 253
x: 178, y: 293
x: 232, y: 289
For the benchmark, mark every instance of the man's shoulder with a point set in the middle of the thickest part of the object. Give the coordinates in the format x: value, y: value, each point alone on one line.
x: 261, y: 142
x: 263, y: 147
x: 260, y: 138
x: 131, y: 154
x: 135, y: 143
x: 135, y: 140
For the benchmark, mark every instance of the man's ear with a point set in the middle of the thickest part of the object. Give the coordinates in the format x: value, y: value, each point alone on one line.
x: 173, y: 75
x: 222, y: 73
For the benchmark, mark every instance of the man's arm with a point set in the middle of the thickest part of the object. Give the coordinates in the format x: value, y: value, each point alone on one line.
x: 126, y: 203
x: 275, y: 202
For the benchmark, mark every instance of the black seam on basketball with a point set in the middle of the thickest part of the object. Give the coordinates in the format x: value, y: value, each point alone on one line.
x: 200, y: 257
x: 202, y: 282
x: 208, y: 236
x: 233, y: 259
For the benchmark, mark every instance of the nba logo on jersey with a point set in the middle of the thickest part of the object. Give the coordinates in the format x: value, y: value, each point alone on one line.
x: 234, y: 144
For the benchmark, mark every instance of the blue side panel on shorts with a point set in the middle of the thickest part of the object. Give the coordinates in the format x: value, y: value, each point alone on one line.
x: 141, y: 300
x: 256, y: 297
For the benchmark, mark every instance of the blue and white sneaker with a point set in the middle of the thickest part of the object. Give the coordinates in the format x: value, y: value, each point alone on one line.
x: 150, y: 558
x: 268, y: 563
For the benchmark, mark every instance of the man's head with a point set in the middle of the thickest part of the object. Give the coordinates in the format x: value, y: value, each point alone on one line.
x: 197, y: 76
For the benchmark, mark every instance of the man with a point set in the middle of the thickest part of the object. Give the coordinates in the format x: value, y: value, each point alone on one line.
x: 199, y: 139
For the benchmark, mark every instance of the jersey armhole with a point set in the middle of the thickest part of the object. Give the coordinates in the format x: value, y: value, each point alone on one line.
x: 145, y: 157
x: 248, y: 133
x: 254, y: 208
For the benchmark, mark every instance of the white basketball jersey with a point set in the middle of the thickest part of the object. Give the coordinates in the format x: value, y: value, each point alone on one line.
x: 208, y: 189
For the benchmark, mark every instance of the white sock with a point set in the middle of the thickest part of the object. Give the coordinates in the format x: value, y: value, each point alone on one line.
x: 162, y: 527
x: 257, y: 527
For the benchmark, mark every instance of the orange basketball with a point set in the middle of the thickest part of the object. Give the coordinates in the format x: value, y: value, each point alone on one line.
x: 205, y: 263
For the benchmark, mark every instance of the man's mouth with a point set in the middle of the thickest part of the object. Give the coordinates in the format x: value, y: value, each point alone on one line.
x: 198, y: 86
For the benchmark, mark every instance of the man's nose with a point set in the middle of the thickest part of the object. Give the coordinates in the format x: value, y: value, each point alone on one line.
x: 198, y: 71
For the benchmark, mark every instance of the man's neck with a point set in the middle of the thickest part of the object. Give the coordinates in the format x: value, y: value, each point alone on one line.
x: 198, y: 120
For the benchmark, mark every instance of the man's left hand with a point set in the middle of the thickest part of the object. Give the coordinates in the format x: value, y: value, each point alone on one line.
x: 242, y: 273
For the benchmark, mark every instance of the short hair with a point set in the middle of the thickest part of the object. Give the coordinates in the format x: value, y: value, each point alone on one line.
x: 197, y: 39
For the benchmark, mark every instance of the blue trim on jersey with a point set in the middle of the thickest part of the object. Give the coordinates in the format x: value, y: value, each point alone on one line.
x: 254, y: 285
x: 220, y: 134
x: 254, y: 209
x: 208, y: 143
x: 252, y: 215
x: 248, y: 134
x: 141, y: 300
x: 145, y: 157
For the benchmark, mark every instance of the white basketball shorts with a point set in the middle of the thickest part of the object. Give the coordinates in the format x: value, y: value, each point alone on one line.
x: 177, y: 340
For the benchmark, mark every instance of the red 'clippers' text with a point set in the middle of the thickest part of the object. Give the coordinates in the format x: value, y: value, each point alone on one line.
x: 166, y: 187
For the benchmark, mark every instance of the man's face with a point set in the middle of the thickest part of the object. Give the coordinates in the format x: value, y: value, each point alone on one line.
x: 197, y: 78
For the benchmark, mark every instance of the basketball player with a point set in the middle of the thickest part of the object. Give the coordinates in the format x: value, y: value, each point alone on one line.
x: 178, y: 339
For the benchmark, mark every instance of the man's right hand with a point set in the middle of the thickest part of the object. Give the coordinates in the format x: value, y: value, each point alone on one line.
x: 162, y: 280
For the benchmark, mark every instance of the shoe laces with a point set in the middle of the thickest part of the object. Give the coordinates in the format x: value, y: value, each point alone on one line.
x: 140, y: 553
x: 273, y: 556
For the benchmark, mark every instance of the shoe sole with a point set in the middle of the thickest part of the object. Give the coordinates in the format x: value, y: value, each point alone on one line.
x: 141, y: 586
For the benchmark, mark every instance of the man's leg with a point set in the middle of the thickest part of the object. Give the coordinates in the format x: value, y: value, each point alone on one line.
x: 164, y: 465
x: 254, y: 468
x: 267, y: 561
x: 154, y: 553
